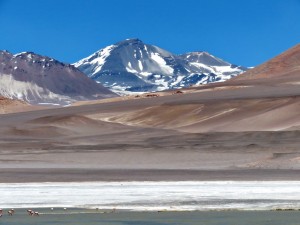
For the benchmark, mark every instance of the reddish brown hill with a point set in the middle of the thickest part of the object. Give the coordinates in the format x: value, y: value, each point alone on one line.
x: 7, y: 101
x: 285, y: 65
x: 11, y: 105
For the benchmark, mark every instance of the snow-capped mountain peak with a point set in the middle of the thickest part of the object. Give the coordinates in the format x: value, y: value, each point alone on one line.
x: 204, y: 58
x: 132, y: 66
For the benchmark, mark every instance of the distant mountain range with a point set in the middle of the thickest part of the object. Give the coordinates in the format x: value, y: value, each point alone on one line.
x: 127, y: 67
x: 131, y: 66
x: 38, y: 79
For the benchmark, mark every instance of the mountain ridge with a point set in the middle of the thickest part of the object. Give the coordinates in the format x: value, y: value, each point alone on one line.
x: 40, y: 79
x: 131, y: 66
x: 286, y: 63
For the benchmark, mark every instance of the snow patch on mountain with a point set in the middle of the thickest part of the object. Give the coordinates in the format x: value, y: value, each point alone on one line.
x: 162, y: 63
x: 28, y: 91
x: 97, y: 60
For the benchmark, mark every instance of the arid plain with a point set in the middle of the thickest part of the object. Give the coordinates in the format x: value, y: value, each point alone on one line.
x: 247, y: 128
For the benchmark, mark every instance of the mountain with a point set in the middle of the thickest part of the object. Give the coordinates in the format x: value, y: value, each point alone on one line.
x: 264, y: 99
x: 39, y: 79
x: 132, y: 66
x: 284, y: 66
x: 241, y: 129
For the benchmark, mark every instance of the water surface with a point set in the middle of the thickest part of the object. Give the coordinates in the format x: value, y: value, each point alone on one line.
x: 163, y: 218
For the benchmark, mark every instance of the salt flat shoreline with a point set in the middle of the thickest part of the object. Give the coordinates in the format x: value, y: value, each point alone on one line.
x: 89, y: 210
x: 27, y: 175
x: 154, y: 195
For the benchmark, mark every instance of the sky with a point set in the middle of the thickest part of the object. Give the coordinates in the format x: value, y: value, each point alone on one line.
x: 242, y: 32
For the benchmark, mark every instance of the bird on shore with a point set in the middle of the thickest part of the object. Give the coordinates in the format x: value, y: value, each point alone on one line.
x: 30, y: 212
x: 113, y: 210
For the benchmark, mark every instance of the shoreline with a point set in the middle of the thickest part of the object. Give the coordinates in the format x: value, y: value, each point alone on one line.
x: 78, y: 210
x: 155, y: 196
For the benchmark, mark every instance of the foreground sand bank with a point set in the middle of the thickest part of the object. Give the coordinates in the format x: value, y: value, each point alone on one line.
x: 22, y: 175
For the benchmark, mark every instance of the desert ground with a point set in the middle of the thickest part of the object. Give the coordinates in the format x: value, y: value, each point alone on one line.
x: 229, y: 132
x: 245, y: 129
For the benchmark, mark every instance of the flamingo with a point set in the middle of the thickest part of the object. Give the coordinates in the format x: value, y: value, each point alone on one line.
x: 30, y: 212
x: 113, y: 210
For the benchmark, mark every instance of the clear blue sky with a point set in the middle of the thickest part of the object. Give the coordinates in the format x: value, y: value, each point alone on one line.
x: 242, y: 32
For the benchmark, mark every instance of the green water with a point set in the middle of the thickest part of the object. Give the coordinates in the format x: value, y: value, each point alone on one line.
x: 93, y: 217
